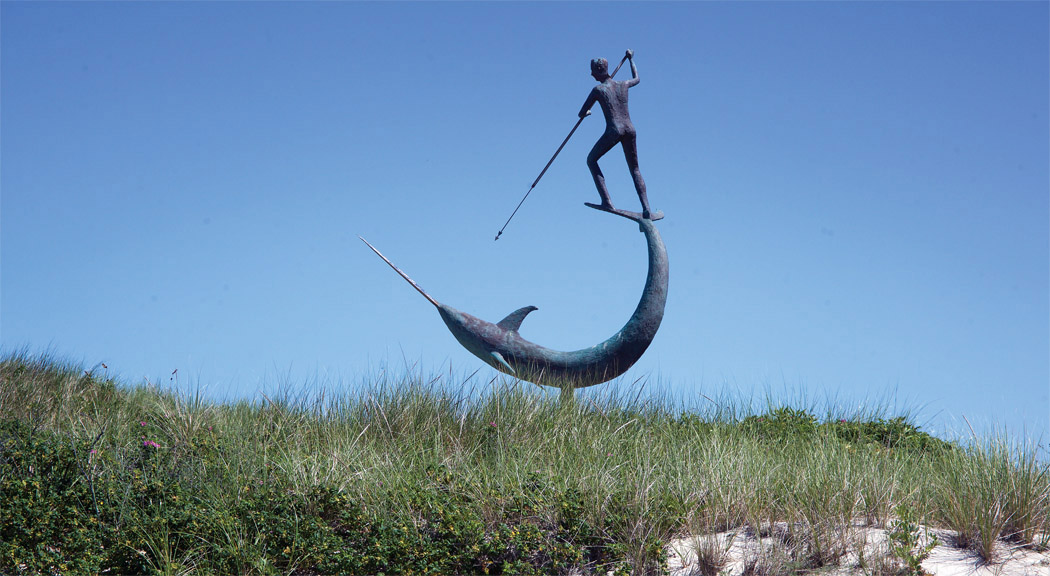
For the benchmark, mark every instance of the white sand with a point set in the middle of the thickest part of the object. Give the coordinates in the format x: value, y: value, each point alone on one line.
x: 944, y: 559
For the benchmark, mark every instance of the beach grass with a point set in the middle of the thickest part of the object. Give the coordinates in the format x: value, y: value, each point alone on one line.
x: 429, y: 474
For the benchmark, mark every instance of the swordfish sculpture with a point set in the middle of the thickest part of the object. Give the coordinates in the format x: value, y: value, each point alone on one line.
x: 501, y: 346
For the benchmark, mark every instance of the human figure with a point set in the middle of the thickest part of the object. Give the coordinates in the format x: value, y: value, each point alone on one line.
x: 612, y: 96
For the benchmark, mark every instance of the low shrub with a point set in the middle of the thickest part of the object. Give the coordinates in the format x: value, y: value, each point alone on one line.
x: 69, y: 509
x: 407, y: 477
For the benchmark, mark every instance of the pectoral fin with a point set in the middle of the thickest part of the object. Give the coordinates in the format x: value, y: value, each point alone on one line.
x: 499, y: 358
x: 513, y: 320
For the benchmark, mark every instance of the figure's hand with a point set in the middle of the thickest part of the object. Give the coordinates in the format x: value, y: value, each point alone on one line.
x: 585, y: 114
x: 630, y: 54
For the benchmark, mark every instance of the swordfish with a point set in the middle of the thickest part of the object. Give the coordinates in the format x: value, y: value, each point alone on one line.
x: 501, y: 346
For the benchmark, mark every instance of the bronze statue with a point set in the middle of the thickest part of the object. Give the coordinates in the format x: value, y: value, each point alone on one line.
x: 501, y: 346
x: 612, y: 96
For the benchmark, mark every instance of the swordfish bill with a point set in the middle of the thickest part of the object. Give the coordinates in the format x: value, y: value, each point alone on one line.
x: 501, y: 346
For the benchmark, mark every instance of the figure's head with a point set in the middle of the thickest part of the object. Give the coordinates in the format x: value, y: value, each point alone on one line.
x: 600, y: 69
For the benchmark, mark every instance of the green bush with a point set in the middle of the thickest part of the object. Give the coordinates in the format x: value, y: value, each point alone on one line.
x: 413, y: 477
x: 781, y: 423
x: 893, y: 433
x: 907, y: 545
x: 786, y: 423
x: 48, y: 522
x: 68, y: 509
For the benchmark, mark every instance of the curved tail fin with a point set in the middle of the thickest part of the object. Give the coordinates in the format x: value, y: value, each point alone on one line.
x: 403, y: 275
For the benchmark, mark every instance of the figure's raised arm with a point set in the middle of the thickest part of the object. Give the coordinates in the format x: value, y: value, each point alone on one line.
x: 634, y: 70
x: 591, y: 99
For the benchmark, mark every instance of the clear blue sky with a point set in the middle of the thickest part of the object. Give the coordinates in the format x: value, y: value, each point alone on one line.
x: 856, y: 193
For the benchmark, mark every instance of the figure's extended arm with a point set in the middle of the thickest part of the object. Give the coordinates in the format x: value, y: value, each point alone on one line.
x: 591, y: 99
x: 634, y: 70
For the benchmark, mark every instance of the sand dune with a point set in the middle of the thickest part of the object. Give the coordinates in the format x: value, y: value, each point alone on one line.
x: 864, y: 552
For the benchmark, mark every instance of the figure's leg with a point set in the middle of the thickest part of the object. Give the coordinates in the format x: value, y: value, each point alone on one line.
x: 630, y: 152
x: 603, y: 145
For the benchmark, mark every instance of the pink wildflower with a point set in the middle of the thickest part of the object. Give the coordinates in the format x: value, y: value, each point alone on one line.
x: 150, y: 444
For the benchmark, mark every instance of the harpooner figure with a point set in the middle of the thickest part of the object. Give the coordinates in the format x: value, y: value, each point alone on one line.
x: 612, y: 96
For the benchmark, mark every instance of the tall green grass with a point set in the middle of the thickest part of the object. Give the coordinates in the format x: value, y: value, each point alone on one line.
x: 414, y: 474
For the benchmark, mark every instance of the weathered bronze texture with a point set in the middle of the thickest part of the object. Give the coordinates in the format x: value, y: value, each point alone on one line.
x: 658, y: 215
x: 630, y: 53
x: 499, y: 345
x: 503, y: 348
x: 612, y: 96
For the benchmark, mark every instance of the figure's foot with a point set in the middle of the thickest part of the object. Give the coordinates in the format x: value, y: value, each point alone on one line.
x: 646, y: 214
x: 607, y: 206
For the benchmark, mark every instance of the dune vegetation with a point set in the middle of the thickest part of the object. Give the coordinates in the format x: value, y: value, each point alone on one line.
x: 427, y: 475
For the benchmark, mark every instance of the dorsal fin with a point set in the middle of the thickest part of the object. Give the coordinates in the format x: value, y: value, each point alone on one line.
x: 513, y: 320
